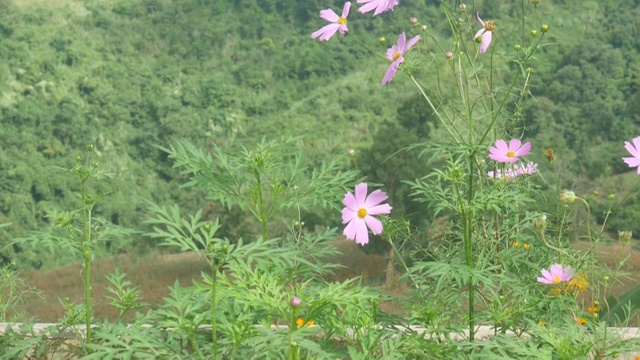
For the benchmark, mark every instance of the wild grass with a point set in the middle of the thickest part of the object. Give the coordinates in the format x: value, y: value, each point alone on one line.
x: 154, y: 273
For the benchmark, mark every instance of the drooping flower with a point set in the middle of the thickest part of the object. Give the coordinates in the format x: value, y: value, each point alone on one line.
x: 358, y: 213
x: 508, y: 154
x: 380, y: 6
x: 396, y: 55
x: 555, y: 275
x: 634, y: 150
x: 338, y: 23
x: 485, y: 34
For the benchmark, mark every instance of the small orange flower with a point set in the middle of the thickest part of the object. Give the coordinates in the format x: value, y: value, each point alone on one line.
x: 550, y: 155
x: 300, y: 322
x: 526, y: 246
x: 515, y: 244
x: 581, y: 321
x: 579, y: 282
x: 542, y: 323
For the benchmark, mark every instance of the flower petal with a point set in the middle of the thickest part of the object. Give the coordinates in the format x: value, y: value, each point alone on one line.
x: 362, y: 233
x: 632, y: 149
x: 373, y: 224
x: 410, y: 43
x: 348, y: 215
x: 485, y: 42
x: 326, y: 32
x: 380, y: 209
x: 361, y: 194
x: 524, y: 150
x: 391, y: 71
x: 329, y: 15
x: 345, y: 9
x: 375, y: 198
x: 350, y: 202
x: 350, y: 230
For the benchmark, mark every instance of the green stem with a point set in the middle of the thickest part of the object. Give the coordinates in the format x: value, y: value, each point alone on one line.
x: 214, y: 305
x: 263, y: 215
x: 468, y: 245
x: 87, y: 260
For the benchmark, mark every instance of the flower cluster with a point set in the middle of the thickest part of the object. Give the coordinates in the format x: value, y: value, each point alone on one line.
x: 395, y: 54
x: 517, y: 170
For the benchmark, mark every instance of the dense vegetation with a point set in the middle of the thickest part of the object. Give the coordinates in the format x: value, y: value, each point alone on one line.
x: 130, y: 76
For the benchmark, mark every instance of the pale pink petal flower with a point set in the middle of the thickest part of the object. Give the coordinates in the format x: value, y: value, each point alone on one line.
x: 634, y: 150
x: 338, y: 23
x: 358, y: 211
x: 380, y: 6
x: 396, y: 55
x: 555, y: 275
x: 485, y: 34
x: 508, y: 154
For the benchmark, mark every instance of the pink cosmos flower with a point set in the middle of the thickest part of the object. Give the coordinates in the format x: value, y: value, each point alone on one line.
x: 358, y: 212
x: 338, y: 23
x: 634, y: 150
x: 555, y: 275
x: 528, y: 169
x: 508, y: 154
x: 380, y: 6
x: 396, y: 55
x: 485, y: 34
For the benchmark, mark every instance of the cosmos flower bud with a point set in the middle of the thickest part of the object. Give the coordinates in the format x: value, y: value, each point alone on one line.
x: 534, y: 33
x: 448, y: 54
x: 382, y: 40
x: 540, y: 223
x: 517, y: 47
x: 424, y: 27
x: 90, y: 147
x: 551, y: 156
x: 413, y: 21
x: 462, y: 7
x: 535, y: 2
x: 295, y: 302
x: 625, y: 237
x: 544, y: 28
x: 351, y: 152
x: 567, y: 196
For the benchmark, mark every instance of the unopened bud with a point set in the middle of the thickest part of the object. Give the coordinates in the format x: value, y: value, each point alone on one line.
x: 612, y: 197
x: 449, y: 55
x: 78, y: 159
x: 544, y: 28
x: 413, y: 21
x: 567, y: 196
x: 462, y: 7
x: 535, y: 2
x: 551, y: 156
x: 625, y: 237
x: 295, y: 302
x: 540, y: 222
x: 517, y: 47
x: 424, y: 27
x: 382, y: 40
x: 351, y: 152
x: 534, y: 33
x: 90, y: 147
x: 529, y: 70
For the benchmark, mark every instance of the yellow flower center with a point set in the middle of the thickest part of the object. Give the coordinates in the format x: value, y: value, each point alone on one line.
x: 490, y: 25
x: 362, y: 213
x: 511, y: 154
x: 396, y: 55
x: 342, y: 20
x: 556, y: 279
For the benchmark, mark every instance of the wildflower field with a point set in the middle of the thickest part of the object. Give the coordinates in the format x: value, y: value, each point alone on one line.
x: 508, y: 246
